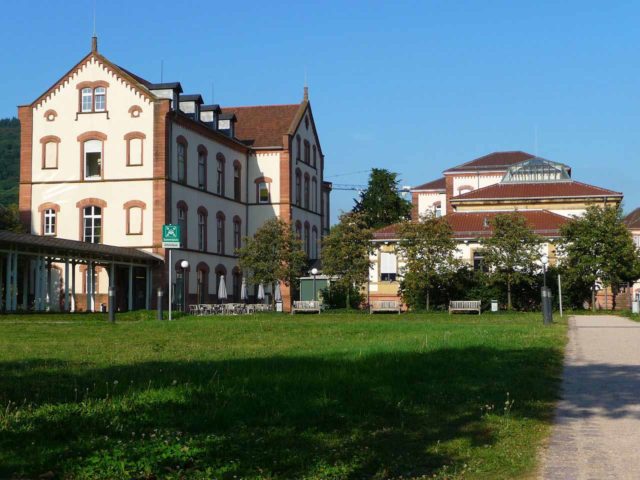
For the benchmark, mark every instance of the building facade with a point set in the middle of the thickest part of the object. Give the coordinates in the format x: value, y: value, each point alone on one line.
x: 470, y: 195
x: 109, y: 157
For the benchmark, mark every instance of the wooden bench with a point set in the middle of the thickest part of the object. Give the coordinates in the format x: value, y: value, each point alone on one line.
x: 306, y: 306
x: 464, y: 306
x: 384, y: 306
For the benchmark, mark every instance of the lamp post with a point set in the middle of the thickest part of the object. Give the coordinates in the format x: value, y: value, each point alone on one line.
x: 314, y: 272
x: 184, y: 264
x: 546, y: 292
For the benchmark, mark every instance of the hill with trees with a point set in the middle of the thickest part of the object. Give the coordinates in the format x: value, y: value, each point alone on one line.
x: 9, y: 160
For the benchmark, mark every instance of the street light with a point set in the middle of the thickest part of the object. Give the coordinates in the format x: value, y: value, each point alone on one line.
x: 545, y: 262
x: 546, y: 292
x: 184, y: 264
x: 314, y: 272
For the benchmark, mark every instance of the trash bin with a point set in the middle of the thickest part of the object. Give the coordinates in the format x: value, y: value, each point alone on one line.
x: 278, y: 306
x: 103, y: 307
x: 635, y: 306
x: 494, y: 305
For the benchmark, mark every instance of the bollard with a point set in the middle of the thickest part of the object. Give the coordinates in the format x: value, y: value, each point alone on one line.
x: 159, y: 300
x: 112, y: 304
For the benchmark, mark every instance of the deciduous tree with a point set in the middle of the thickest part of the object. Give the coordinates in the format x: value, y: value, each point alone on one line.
x: 273, y: 255
x: 346, y: 251
x: 599, y: 247
x: 512, y: 253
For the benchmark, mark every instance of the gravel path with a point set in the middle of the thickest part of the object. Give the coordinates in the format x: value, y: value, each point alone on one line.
x: 596, y: 432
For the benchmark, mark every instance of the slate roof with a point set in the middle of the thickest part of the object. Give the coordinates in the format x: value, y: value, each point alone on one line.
x: 64, y: 247
x: 468, y: 225
x: 492, y: 161
x: 439, y: 184
x: 263, y: 126
x: 564, y: 189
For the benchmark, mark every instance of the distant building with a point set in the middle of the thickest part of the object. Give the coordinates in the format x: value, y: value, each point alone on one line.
x: 109, y: 157
x: 472, y: 194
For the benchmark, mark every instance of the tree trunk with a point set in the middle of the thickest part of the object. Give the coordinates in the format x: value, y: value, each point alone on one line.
x: 593, y: 297
x: 348, y: 298
x: 614, y: 294
x: 508, y: 293
x: 427, y: 300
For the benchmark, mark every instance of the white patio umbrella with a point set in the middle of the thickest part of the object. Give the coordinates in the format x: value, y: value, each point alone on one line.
x: 222, y: 289
x: 277, y: 295
x: 260, y: 292
x: 244, y: 295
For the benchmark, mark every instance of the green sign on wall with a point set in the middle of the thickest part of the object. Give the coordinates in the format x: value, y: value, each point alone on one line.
x: 171, y: 236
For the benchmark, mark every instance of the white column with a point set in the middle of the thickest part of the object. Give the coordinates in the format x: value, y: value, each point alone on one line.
x: 90, y: 287
x: 25, y: 284
x: 72, y: 307
x: 37, y: 290
x: 66, y: 285
x: 47, y: 286
x: 130, y: 306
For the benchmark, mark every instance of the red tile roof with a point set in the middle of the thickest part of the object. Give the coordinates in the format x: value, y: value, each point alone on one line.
x: 263, y: 126
x: 633, y: 219
x: 471, y: 224
x: 439, y: 184
x: 493, y: 161
x: 503, y: 191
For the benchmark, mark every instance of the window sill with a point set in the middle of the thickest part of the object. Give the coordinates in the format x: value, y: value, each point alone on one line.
x: 49, y: 168
x: 105, y: 112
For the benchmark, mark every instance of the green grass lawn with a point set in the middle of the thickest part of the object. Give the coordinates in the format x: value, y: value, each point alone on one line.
x: 276, y: 396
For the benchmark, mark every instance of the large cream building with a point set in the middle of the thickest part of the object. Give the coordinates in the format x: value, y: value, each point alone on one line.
x: 471, y: 194
x: 108, y: 157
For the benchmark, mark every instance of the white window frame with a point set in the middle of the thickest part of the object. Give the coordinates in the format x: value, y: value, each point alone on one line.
x: 90, y: 146
x: 264, y: 186
x: 92, y: 221
x: 181, y: 158
x: 202, y: 171
x: 100, y: 99
x: 202, y: 227
x: 86, y: 100
x: 49, y: 221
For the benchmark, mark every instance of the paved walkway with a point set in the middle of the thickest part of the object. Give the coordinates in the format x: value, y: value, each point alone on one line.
x: 596, y: 434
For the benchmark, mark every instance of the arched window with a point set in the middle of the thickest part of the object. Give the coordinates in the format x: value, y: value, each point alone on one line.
x: 306, y: 191
x: 100, y: 95
x: 263, y: 194
x: 314, y: 243
x: 220, y: 218
x: 437, y: 209
x: 86, y: 100
x: 91, y: 155
x: 50, y: 149
x: 307, y: 240
x: 298, y: 188
x: 182, y: 222
x: 307, y: 152
x: 313, y: 159
x: 314, y: 194
x: 221, y: 274
x: 182, y: 146
x: 48, y: 218
x: 298, y: 230
x: 236, y: 284
x: 202, y: 229
x: 299, y: 148
x: 135, y: 148
x: 220, y: 160
x: 134, y: 211
x: 237, y: 181
x: 202, y: 167
x: 237, y: 233
x: 202, y: 283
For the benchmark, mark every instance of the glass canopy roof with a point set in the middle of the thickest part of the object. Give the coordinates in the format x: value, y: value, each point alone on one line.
x: 536, y: 170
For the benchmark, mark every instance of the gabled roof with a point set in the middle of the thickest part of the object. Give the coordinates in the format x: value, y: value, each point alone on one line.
x: 633, y: 219
x: 469, y: 225
x: 263, y: 126
x: 492, y: 161
x: 565, y: 189
x: 137, y: 83
x: 439, y: 185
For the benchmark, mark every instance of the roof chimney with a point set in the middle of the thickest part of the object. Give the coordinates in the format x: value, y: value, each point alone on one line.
x: 94, y: 44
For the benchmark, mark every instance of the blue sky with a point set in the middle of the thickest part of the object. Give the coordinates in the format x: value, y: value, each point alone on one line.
x: 414, y: 87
